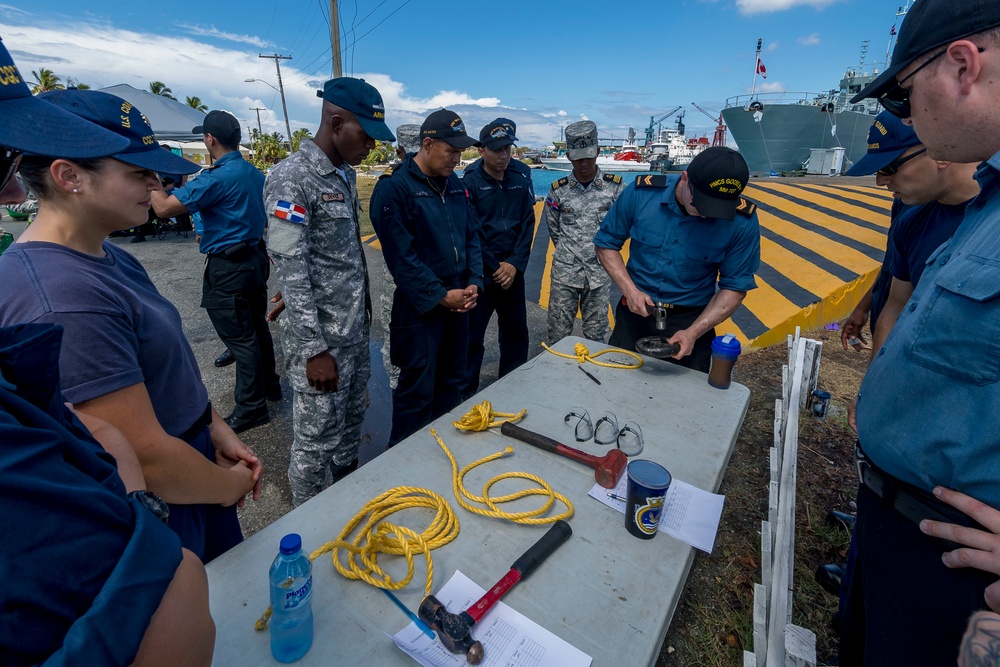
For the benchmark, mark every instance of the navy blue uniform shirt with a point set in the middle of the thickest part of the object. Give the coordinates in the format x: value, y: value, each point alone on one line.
x: 921, y: 230
x: 506, y: 215
x: 230, y: 197
x: 428, y: 232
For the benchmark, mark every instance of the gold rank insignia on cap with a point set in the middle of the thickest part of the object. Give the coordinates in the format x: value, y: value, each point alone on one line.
x: 651, y: 181
x: 746, y: 207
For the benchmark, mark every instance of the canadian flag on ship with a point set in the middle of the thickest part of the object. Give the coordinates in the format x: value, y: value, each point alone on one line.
x: 761, y: 69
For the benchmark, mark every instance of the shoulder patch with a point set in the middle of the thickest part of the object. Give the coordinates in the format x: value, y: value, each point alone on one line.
x: 746, y: 207
x: 561, y: 182
x: 387, y: 172
x: 651, y: 181
x: 614, y: 178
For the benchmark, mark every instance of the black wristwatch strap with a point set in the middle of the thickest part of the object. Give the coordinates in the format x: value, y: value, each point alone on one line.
x: 153, y: 503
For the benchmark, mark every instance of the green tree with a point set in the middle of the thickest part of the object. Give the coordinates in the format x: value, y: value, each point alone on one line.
x: 160, y: 88
x: 268, y: 149
x: 76, y: 83
x: 45, y: 80
x: 196, y: 103
x: 381, y: 154
x: 297, y: 137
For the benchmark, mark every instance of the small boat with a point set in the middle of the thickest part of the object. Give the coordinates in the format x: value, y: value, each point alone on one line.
x: 607, y: 163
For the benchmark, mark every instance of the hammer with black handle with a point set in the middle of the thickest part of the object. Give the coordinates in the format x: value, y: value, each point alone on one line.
x: 455, y: 630
x: 607, y: 469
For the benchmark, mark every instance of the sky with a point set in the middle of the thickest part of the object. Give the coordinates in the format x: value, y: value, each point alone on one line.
x: 542, y: 63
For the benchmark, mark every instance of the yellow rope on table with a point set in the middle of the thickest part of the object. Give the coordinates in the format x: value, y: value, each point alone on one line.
x: 380, y: 536
x: 583, y: 355
x: 529, y: 517
x: 481, y: 417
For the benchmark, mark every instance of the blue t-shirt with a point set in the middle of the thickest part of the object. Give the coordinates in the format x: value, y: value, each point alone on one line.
x: 120, y: 330
x: 926, y: 409
x: 677, y: 258
x: 230, y: 197
x: 920, y: 230
x: 84, y: 568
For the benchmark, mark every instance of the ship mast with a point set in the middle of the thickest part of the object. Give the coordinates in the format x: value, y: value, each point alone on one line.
x: 756, y: 67
x: 892, y: 36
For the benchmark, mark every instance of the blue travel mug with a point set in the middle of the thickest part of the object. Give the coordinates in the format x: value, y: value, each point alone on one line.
x: 725, y: 351
x: 647, y: 493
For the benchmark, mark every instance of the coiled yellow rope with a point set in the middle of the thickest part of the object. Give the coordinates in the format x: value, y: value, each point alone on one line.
x: 530, y: 517
x: 481, y: 417
x: 583, y: 355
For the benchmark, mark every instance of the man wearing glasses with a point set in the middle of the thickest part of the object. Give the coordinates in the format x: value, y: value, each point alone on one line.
x: 926, y: 411
x: 929, y: 203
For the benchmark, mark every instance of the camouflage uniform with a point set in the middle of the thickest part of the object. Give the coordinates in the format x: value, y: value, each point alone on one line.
x: 573, y: 215
x: 321, y: 271
x: 408, y: 137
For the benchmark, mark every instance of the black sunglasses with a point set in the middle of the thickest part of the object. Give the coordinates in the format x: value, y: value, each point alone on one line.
x: 10, y: 160
x: 891, y: 168
x: 896, y: 100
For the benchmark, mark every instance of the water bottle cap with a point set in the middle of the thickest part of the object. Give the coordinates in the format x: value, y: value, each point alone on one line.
x: 727, y: 345
x: 291, y: 544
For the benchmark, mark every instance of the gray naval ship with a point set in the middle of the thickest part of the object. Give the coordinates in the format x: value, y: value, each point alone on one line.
x: 777, y: 132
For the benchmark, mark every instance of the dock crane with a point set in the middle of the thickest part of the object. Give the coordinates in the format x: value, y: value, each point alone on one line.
x: 719, y: 138
x: 654, y: 121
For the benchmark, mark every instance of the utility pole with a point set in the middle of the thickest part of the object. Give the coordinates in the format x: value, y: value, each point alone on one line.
x: 258, y: 110
x: 281, y: 90
x: 338, y: 71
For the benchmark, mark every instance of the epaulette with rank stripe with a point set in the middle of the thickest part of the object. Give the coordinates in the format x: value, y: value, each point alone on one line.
x: 614, y: 178
x: 561, y: 182
x: 746, y: 207
x: 651, y: 181
x: 387, y: 172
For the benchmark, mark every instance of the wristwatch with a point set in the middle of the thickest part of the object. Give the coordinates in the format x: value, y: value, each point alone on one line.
x: 153, y: 503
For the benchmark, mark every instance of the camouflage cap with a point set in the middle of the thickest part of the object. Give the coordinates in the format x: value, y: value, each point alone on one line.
x: 409, y: 137
x: 581, y: 140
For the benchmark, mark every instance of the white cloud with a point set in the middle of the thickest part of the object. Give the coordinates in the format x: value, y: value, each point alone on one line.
x: 766, y: 6
x: 769, y: 87
x: 103, y: 55
x: 809, y: 40
x: 773, y: 46
x: 212, y: 31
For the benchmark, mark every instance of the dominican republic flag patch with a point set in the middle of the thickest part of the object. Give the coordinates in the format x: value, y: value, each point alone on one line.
x: 552, y: 203
x: 291, y: 212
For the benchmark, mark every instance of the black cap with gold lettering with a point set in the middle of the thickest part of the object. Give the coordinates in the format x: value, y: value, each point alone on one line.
x: 718, y: 176
x: 119, y: 116
x: 34, y: 126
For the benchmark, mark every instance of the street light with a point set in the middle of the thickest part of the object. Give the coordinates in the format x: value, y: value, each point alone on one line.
x: 280, y: 91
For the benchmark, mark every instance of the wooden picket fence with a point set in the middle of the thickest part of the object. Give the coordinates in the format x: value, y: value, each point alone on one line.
x: 776, y: 642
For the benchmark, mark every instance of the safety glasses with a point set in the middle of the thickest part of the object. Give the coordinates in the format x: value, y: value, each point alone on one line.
x: 605, y: 431
x: 891, y: 168
x: 10, y: 160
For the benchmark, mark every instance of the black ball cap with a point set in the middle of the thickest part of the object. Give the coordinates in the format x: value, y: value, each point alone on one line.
x: 718, y: 176
x: 448, y: 127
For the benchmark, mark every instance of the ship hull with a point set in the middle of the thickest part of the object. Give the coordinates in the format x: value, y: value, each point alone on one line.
x: 784, y: 135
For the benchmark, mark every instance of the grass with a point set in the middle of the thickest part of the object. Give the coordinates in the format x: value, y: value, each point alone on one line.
x: 365, y: 186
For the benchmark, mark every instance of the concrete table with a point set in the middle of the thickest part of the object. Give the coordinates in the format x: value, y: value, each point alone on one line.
x: 604, y: 591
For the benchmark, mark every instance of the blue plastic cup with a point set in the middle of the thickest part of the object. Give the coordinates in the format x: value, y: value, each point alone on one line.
x: 725, y: 351
x: 646, y: 495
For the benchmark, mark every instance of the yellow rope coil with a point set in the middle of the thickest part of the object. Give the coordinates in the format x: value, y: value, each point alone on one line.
x: 481, y: 417
x: 530, y: 517
x: 583, y: 355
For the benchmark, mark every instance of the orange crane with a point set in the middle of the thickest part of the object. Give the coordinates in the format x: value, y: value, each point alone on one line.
x: 719, y: 139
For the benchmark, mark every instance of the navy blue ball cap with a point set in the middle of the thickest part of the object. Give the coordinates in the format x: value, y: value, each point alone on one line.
x: 497, y: 134
x: 888, y: 138
x: 448, y: 127
x: 930, y: 25
x: 222, y: 125
x: 719, y: 175
x: 363, y: 100
x: 32, y: 125
x: 120, y: 117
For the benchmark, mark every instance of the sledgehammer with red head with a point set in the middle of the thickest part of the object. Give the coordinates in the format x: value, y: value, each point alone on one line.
x: 455, y: 630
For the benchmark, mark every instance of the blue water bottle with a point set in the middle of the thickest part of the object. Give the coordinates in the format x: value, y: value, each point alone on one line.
x: 291, y: 601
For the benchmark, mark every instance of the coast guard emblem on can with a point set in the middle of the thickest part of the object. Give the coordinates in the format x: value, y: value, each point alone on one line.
x: 647, y: 516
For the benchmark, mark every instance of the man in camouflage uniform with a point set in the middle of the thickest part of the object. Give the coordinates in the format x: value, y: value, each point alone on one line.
x: 575, y: 207
x: 315, y: 240
x: 408, y: 138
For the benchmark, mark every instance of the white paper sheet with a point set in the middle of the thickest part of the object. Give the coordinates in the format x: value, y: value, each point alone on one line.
x: 689, y: 514
x: 509, y: 638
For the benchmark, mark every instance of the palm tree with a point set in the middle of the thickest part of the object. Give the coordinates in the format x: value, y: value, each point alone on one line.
x: 196, y: 103
x: 160, y: 88
x: 298, y: 135
x: 45, y: 80
x: 76, y: 83
x: 270, y: 148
